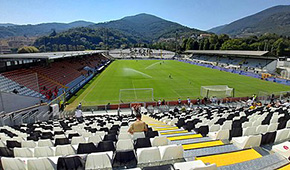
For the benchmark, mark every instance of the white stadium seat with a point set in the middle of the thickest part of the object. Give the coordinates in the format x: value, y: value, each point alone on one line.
x: 78, y: 139
x: 170, y: 152
x: 282, y: 135
x: 64, y: 150
x: 103, y: 162
x: 45, y: 142
x: 43, y: 151
x: 125, y: 135
x: 148, y: 155
x: 124, y: 144
x: 137, y: 135
x: 159, y: 141
x: 247, y: 141
x: 262, y: 129
x: 249, y: 131
x: 221, y: 134
x: 40, y: 163
x: 28, y: 144
x: 95, y: 139
x: 13, y: 164
x: 23, y: 152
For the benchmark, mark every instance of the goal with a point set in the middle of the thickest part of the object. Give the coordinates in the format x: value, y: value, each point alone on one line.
x: 219, y: 91
x: 136, y: 95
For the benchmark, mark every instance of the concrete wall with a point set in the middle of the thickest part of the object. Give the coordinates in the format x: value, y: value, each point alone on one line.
x: 11, y: 102
x: 271, y: 67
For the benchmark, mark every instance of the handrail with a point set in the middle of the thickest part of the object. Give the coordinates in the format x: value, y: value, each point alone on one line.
x: 24, y: 109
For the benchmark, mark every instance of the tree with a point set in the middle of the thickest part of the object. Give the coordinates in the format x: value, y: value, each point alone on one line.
x: 232, y: 44
x: 223, y: 38
x: 53, y: 33
x: 28, y: 49
x: 206, y: 44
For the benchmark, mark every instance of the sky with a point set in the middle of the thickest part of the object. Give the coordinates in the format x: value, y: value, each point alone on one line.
x: 200, y: 14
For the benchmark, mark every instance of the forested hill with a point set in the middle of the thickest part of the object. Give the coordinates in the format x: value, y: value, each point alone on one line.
x: 11, y: 30
x: 149, y: 27
x: 272, y: 20
x: 84, y: 38
x: 128, y: 31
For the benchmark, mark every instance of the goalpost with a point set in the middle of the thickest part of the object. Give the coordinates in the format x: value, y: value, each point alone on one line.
x: 136, y: 95
x: 219, y: 91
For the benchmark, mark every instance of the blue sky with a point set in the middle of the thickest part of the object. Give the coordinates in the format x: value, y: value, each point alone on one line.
x: 201, y: 14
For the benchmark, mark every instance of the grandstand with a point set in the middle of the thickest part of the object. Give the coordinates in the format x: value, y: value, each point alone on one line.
x: 46, y: 76
x: 209, y: 135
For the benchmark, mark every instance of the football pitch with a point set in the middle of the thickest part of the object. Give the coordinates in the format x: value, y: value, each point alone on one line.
x: 186, y: 81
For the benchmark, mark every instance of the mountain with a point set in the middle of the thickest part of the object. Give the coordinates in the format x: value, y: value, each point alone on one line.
x: 148, y: 27
x: 85, y: 38
x: 39, y: 29
x: 272, y: 20
x: 128, y: 31
x: 6, y: 24
x: 217, y: 29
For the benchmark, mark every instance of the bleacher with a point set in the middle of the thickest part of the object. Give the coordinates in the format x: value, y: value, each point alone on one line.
x: 205, y: 138
x: 40, y: 80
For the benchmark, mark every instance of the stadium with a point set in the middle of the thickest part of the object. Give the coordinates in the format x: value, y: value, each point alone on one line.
x: 112, y: 96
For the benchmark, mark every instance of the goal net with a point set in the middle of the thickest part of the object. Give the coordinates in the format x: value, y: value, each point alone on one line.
x: 219, y: 91
x: 136, y: 95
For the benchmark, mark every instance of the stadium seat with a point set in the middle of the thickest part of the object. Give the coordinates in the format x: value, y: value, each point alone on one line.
x: 142, y: 143
x: 110, y: 137
x: 13, y: 163
x: 106, y: 146
x: 95, y: 139
x: 247, y: 124
x: 13, y: 144
x: 45, y: 151
x: 236, y: 132
x: 268, y: 138
x: 198, y: 164
x: 61, y: 141
x: 28, y: 144
x: 125, y: 135
x: 78, y: 139
x: 262, y: 128
x: 221, y: 134
x: 272, y: 127
x: 45, y: 142
x: 159, y: 141
x: 40, y: 163
x: 124, y: 144
x: 63, y: 150
x: 214, y: 128
x: 247, y: 141
x: 60, y: 136
x: 104, y: 161
x: 151, y: 134
x: 6, y: 152
x: 137, y: 135
x: 126, y: 159
x: 86, y: 148
x: 249, y: 131
x: 170, y: 152
x: 23, y: 152
x: 148, y: 155
x: 282, y: 135
x: 71, y: 162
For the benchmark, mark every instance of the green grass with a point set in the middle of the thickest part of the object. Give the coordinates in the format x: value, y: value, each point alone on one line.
x: 186, y: 81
